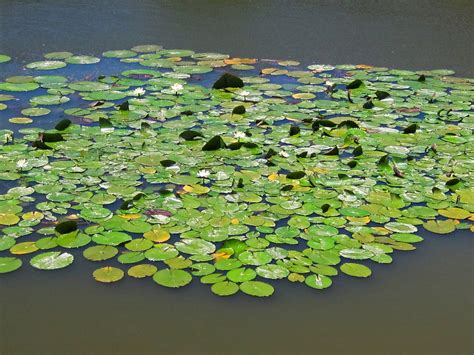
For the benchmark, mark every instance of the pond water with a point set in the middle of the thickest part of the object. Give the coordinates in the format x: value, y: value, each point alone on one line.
x: 421, y: 303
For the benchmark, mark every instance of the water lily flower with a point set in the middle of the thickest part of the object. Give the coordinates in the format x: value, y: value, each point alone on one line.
x: 203, y: 173
x: 283, y: 154
x: 239, y: 135
x: 138, y: 92
x: 21, y: 164
x: 177, y: 87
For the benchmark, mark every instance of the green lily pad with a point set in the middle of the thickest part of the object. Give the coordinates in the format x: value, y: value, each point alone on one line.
x: 356, y: 270
x: 225, y: 288
x: 440, y: 226
x: 9, y: 264
x: 100, y: 252
x: 257, y: 288
x: 318, y: 281
x: 142, y: 270
x: 108, y: 274
x: 172, y: 278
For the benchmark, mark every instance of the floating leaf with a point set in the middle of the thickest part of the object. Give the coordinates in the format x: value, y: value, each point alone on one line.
x: 142, y: 270
x: 108, y: 274
x: 225, y: 288
x: 51, y: 260
x: 440, y: 226
x: 356, y: 270
x: 257, y: 288
x: 172, y: 278
x: 9, y: 264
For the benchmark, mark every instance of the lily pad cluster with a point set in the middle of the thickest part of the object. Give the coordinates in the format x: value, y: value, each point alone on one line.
x: 180, y: 167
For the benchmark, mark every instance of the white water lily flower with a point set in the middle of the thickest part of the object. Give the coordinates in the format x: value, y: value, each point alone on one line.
x: 177, y: 87
x: 203, y: 173
x: 283, y: 154
x: 239, y: 135
x: 21, y: 164
x: 138, y: 92
x: 244, y: 93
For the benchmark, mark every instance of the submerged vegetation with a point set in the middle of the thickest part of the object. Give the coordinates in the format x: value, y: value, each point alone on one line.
x: 173, y: 165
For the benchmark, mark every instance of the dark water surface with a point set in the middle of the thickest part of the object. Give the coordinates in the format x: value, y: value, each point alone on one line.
x: 420, y: 304
x: 405, y: 34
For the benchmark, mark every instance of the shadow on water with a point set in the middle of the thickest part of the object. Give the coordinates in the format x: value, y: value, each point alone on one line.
x: 421, y: 304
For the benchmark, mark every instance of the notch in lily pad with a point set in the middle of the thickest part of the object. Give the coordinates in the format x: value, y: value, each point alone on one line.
x: 228, y: 81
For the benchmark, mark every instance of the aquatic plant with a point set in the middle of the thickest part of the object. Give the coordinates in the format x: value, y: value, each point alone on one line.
x: 173, y: 165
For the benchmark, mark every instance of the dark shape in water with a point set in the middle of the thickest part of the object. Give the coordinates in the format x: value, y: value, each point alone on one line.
x: 354, y: 84
x: 228, y: 81
x: 294, y: 130
x: 105, y: 123
x: 381, y: 94
x: 238, y: 110
x: 214, y: 143
x: 190, y: 135
x: 270, y: 153
x: 295, y: 175
x: 124, y: 106
x: 410, y: 129
x: 250, y: 145
x: 352, y: 164
x: 358, y: 151
x: 368, y: 104
x: 63, y: 124
x: 50, y: 137
x: 333, y: 151
x: 235, y: 146
x: 422, y: 77
x: 167, y: 163
x: 66, y: 227
x: 348, y: 124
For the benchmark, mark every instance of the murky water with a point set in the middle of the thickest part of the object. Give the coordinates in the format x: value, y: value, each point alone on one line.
x: 420, y: 304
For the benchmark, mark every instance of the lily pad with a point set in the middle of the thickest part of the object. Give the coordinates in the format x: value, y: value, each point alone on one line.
x: 52, y: 260
x: 356, y: 270
x: 172, y: 278
x: 108, y: 274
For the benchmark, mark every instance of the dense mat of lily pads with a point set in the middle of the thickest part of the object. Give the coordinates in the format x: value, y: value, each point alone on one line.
x: 292, y: 172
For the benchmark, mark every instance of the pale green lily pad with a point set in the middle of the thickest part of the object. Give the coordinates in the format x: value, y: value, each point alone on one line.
x: 51, y: 260
x: 440, y: 226
x: 356, y: 270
